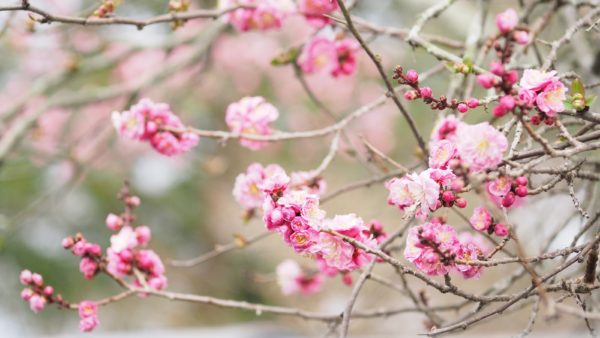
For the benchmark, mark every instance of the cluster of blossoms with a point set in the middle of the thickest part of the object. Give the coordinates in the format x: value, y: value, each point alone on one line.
x: 435, y: 246
x: 157, y: 124
x: 411, y: 78
x: 456, y: 149
x: 482, y: 221
x: 124, y: 257
x: 292, y: 279
x: 506, y: 191
x: 39, y: 294
x: 538, y: 90
x: 334, y: 56
x: 292, y: 209
x: 270, y: 14
x: 251, y: 116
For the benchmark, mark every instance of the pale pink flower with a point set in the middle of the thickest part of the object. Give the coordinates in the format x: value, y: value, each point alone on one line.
x: 522, y: 37
x: 114, y: 222
x: 507, y: 20
x: 481, y: 219
x: 319, y: 54
x: 550, y: 101
x: 527, y: 96
x: 445, y: 129
x: 143, y: 235
x: 88, y: 316
x: 292, y: 279
x: 537, y: 80
x: 349, y: 225
x: 88, y: 267
x: 311, y: 212
x: 26, y: 277
x: 275, y: 180
x: 441, y: 153
x: 267, y: 14
x: 37, y: 303
x: 415, y: 194
x: 480, y: 146
x: 150, y: 262
x: 313, y: 10
x: 252, y: 116
x: 171, y: 144
x: 125, y: 239
x: 469, y: 252
x: 336, y: 253
x: 500, y: 186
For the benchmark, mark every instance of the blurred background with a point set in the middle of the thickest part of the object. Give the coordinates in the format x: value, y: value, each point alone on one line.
x: 64, y: 175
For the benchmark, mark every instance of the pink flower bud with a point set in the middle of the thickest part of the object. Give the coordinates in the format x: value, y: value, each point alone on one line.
x: 472, y: 103
x: 347, y: 279
x: 457, y: 185
x: 448, y: 196
x: 499, y: 111
x: 143, y: 234
x: 521, y: 180
x: 114, y: 222
x: 426, y: 92
x: 26, y: 294
x: 461, y: 202
x: 37, y: 279
x: 535, y: 119
x: 133, y: 201
x: 497, y: 68
x: 25, y: 277
x: 521, y: 191
x: 37, y: 303
x: 410, y: 95
x: 412, y: 76
x: 500, y: 230
x: 486, y: 81
x: 48, y: 291
x: 511, y: 77
x: 68, y: 242
x: 507, y: 20
x: 462, y: 108
x: 521, y: 37
x: 508, y: 102
x: 508, y: 199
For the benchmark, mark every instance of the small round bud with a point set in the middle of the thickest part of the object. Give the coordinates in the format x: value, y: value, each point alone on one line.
x: 499, y: 111
x: 521, y: 180
x: 410, y: 95
x: 521, y: 191
x: 472, y: 103
x: 68, y: 242
x: 448, y: 196
x: 508, y: 199
x: 462, y: 107
x: 425, y: 92
x: 25, y: 277
x: 48, y: 291
x: 461, y: 202
x: 412, y: 76
x: 535, y: 119
x: 501, y: 230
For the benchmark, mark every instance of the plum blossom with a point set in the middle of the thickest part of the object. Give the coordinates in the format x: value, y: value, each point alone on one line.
x: 432, y: 247
x: 148, y: 121
x: 445, y: 129
x: 337, y: 57
x: 415, y: 194
x: 292, y: 279
x: 480, y: 146
x: 252, y: 116
x: 469, y: 251
x: 481, y: 219
x: 537, y: 80
x: 314, y: 11
x: 550, y: 101
x: 247, y: 188
x: 88, y: 316
x: 441, y: 153
x: 265, y: 15
x: 507, y: 20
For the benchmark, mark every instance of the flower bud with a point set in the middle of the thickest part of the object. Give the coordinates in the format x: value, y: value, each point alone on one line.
x: 425, y: 92
x: 500, y: 230
x: 462, y: 107
x: 461, y: 202
x: 508, y: 199
x: 412, y: 76
x: 521, y: 191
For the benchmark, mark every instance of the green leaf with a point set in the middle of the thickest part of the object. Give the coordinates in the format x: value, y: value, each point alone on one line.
x: 286, y: 57
x: 589, y: 101
x: 568, y: 105
x: 577, y: 87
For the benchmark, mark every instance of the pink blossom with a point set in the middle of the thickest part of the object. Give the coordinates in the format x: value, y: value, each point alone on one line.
x: 486, y: 81
x: 469, y: 252
x: 336, y: 253
x: 346, y: 57
x: 144, y: 121
x: 445, y: 129
x: 143, y: 235
x: 537, y: 80
x: 550, y: 101
x: 415, y: 194
x: 267, y: 14
x: 88, y: 316
x: 276, y: 180
x: 251, y: 116
x: 246, y: 188
x: 507, y: 20
x: 26, y: 294
x: 125, y: 239
x: 319, y: 54
x: 521, y: 37
x: 292, y: 279
x: 441, y: 153
x: 37, y: 303
x: 500, y: 186
x: 313, y: 10
x: 527, y: 96
x: 114, y: 222
x: 149, y: 261
x: 425, y: 243
x: 25, y: 277
x: 88, y: 267
x: 481, y: 219
x: 480, y: 146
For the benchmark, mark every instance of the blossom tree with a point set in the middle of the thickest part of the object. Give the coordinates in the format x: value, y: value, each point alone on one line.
x: 508, y: 107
